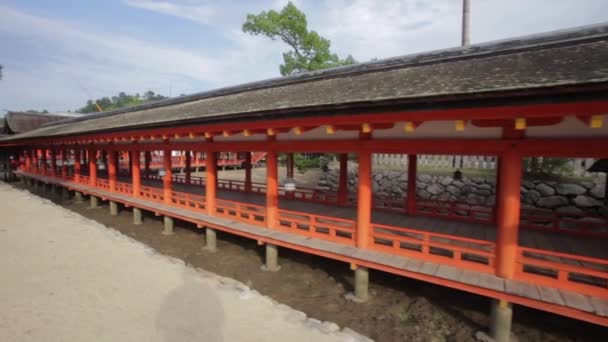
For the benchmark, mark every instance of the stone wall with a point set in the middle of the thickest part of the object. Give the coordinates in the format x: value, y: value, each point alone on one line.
x: 574, y: 197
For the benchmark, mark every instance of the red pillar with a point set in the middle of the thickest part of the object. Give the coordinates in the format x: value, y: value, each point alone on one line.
x: 64, y: 164
x: 168, y: 175
x: 77, y: 156
x: 188, y: 167
x: 364, y: 200
x: 290, y: 165
x: 28, y: 160
x: 343, y: 180
x: 53, y: 162
x: 92, y: 167
x: 211, y: 181
x: 272, y: 190
x: 35, y: 159
x: 412, y: 165
x: 112, y: 167
x: 135, y: 172
x: 508, y: 213
x: 247, y: 171
x: 45, y: 166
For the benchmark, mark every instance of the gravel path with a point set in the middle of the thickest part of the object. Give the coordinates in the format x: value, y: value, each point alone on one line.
x: 67, y: 278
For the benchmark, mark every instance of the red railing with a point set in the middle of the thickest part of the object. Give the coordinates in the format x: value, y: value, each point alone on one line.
x: 188, y: 201
x: 456, y: 211
x: 102, y: 183
x: 582, y: 274
x: 572, y: 223
x: 124, y: 188
x: 317, y: 226
x: 462, y: 252
x: 244, y: 212
x: 151, y: 193
x: 86, y: 180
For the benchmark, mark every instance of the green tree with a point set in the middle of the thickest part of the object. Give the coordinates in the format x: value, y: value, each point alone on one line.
x: 309, y: 51
x: 120, y: 101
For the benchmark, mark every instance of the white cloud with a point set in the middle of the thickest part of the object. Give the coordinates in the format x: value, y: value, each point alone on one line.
x: 69, y: 58
x: 200, y: 13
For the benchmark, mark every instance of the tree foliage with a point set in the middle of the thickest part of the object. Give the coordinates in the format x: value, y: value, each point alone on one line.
x: 120, y: 101
x: 309, y: 51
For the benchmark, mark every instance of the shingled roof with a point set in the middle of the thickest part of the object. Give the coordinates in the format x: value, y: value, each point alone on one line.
x: 20, y: 122
x: 544, y: 64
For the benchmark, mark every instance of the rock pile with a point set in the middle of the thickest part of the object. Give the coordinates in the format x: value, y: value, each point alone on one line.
x: 585, y: 196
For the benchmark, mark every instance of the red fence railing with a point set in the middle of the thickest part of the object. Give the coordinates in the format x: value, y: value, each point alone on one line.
x: 566, y: 271
x: 317, y: 226
x: 463, y: 252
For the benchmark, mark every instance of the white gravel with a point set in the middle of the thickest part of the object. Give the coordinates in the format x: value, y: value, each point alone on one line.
x: 66, y: 278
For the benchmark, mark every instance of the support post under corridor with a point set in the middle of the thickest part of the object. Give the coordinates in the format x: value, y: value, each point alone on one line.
x: 272, y: 259
x: 168, y: 228
x: 137, y: 216
x: 210, y: 240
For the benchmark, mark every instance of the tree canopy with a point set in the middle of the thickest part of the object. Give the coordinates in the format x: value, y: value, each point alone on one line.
x: 309, y: 51
x: 120, y: 101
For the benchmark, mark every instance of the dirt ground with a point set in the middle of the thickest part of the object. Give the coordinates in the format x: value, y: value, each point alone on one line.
x: 400, y: 309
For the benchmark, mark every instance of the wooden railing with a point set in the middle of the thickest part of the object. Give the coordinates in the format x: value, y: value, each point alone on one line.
x: 581, y: 224
x: 566, y: 271
x: 463, y: 252
x: 244, y: 212
x: 317, y: 226
x: 102, y: 183
x: 455, y: 211
x: 151, y: 193
x: 124, y: 188
x: 188, y: 201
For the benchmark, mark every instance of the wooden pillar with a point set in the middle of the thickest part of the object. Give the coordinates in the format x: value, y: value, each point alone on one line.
x: 36, y: 153
x: 112, y: 167
x: 64, y: 163
x: 211, y: 181
x: 508, y: 213
x: 168, y: 175
x: 92, y: 167
x: 53, y: 162
x: 45, y: 167
x: 188, y: 167
x: 135, y: 172
x: 272, y: 190
x: 290, y: 165
x: 147, y: 160
x: 247, y: 171
x: 364, y: 201
x: 412, y: 166
x: 28, y: 160
x: 343, y: 180
x: 77, y: 167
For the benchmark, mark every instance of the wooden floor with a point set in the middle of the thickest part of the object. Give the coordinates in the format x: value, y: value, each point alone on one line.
x: 569, y: 303
x: 591, y: 247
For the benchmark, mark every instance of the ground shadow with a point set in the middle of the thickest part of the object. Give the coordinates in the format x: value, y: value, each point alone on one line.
x: 191, y: 312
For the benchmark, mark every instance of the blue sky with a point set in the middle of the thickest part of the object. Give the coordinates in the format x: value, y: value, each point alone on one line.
x: 57, y: 54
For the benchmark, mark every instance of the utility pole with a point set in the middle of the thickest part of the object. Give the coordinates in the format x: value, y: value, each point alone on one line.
x: 465, y: 22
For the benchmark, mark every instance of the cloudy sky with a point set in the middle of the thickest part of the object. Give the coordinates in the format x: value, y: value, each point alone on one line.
x: 59, y: 53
